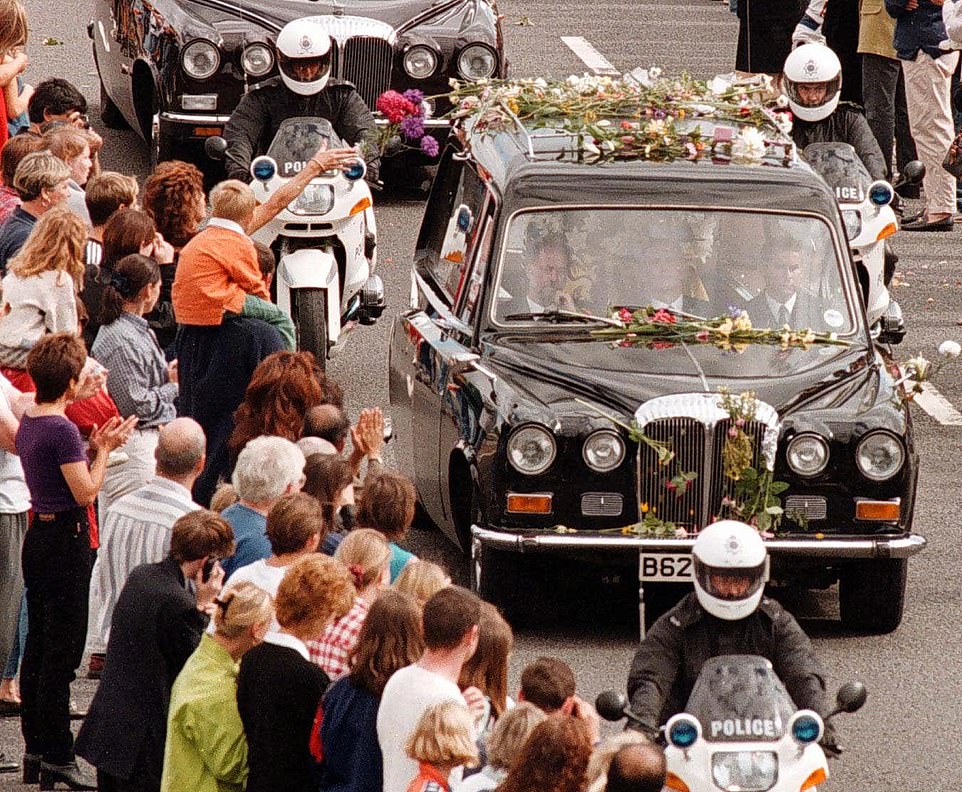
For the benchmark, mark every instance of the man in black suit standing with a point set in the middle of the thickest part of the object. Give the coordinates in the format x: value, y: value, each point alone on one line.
x: 157, y: 623
x: 785, y: 299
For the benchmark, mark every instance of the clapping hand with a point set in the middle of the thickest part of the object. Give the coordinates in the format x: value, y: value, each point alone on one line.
x: 367, y: 435
x: 113, y: 434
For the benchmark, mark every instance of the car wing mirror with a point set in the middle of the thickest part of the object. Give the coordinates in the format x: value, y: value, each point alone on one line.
x: 850, y: 697
x: 215, y: 147
x: 913, y: 172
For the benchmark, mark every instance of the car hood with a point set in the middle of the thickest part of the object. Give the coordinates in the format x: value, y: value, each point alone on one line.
x: 555, y: 371
x: 397, y: 13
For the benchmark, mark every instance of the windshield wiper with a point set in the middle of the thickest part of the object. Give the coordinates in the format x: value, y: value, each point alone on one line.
x: 558, y: 315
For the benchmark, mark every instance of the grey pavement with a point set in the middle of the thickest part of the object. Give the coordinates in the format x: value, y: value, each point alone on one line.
x: 907, y: 737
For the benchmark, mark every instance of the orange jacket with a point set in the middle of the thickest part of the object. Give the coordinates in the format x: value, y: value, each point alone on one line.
x: 216, y: 270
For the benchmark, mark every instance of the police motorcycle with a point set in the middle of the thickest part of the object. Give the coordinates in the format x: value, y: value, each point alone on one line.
x: 325, y: 239
x: 870, y: 220
x: 740, y: 731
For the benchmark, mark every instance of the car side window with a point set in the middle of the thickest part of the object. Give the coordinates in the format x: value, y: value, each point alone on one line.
x: 470, y: 292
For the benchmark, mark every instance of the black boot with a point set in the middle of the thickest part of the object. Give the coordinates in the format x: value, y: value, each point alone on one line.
x: 31, y: 768
x: 70, y: 774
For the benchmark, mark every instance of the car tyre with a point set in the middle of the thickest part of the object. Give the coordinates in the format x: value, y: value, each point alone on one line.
x: 109, y: 112
x: 871, y: 595
x: 309, y: 311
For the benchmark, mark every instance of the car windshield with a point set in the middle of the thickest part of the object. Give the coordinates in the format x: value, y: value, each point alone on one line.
x: 297, y: 140
x: 740, y: 697
x: 782, y: 269
x: 842, y: 169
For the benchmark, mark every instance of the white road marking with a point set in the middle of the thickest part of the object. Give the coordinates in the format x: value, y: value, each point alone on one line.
x: 594, y: 60
x: 936, y: 405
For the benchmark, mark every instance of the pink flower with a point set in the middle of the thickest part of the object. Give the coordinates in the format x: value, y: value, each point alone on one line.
x: 732, y: 431
x: 702, y: 336
x: 671, y: 485
x: 395, y: 107
x: 625, y: 315
x: 664, y: 317
x: 739, y: 422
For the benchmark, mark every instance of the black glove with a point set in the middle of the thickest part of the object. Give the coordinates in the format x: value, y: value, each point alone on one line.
x: 832, y: 749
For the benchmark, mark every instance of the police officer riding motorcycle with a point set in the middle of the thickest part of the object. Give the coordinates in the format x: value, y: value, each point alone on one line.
x: 726, y: 614
x: 305, y: 89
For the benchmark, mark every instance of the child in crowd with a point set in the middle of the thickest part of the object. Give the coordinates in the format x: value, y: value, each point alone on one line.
x: 442, y: 740
x: 218, y: 272
x: 387, y: 505
x: 422, y: 580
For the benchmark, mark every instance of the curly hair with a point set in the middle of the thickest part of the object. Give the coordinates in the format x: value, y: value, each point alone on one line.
x: 282, y: 389
x: 173, y: 194
x: 56, y: 242
x: 316, y: 590
x: 554, y: 759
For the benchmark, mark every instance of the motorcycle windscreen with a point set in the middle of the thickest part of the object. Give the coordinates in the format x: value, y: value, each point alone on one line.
x: 841, y: 168
x: 739, y: 698
x: 299, y: 139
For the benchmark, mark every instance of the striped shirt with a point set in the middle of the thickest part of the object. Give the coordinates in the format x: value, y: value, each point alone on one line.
x: 135, y: 531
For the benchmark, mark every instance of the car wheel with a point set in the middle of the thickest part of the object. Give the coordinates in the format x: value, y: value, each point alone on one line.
x: 109, y: 112
x: 309, y: 311
x: 871, y: 595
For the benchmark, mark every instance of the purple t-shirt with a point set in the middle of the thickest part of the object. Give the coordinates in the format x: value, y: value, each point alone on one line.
x: 44, y: 444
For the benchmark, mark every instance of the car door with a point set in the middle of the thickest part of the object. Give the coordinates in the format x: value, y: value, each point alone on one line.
x: 430, y: 340
x: 117, y: 35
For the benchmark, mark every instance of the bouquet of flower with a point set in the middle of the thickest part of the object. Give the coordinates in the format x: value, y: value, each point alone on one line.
x: 405, y: 130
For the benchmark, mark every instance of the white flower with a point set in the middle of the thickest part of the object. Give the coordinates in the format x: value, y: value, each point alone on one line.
x: 590, y: 147
x: 950, y: 349
x: 540, y: 83
x: 654, y: 72
x: 604, y: 122
x: 782, y: 101
x: 917, y: 368
x: 656, y: 127
x: 784, y: 122
x: 749, y: 147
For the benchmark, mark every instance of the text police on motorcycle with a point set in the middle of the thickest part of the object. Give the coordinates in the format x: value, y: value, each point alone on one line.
x: 726, y: 614
x: 305, y: 88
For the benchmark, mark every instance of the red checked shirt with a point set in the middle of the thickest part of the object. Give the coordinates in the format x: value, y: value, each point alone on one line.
x: 333, y: 650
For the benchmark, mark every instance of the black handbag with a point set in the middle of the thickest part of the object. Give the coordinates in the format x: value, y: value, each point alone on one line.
x: 953, y: 157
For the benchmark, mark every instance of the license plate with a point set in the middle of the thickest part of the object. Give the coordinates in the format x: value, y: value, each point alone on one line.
x: 666, y: 568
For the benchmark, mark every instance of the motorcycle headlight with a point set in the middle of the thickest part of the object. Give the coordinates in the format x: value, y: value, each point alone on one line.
x: 420, y: 62
x: 200, y: 59
x: 603, y: 451
x: 744, y: 771
x: 477, y: 62
x: 880, y: 193
x: 531, y: 450
x: 805, y: 727
x: 853, y: 224
x: 879, y: 456
x: 257, y: 59
x: 317, y: 199
x: 682, y: 730
x: 807, y: 454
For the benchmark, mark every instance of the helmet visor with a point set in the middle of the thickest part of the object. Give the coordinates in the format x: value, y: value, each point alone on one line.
x: 728, y: 583
x: 813, y: 94
x: 305, y: 70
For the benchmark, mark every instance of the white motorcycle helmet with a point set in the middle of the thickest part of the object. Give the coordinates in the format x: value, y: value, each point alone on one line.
x: 730, y: 565
x: 304, y: 56
x: 813, y: 81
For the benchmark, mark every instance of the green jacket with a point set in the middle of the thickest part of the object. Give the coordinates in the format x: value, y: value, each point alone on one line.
x: 206, y: 747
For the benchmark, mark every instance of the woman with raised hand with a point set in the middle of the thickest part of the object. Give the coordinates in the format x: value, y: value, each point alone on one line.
x: 141, y: 382
x: 206, y: 748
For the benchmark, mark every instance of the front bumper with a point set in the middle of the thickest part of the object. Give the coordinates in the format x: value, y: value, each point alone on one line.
x: 828, y: 548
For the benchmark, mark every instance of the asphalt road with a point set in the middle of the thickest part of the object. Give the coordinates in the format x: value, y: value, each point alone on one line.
x: 907, y: 736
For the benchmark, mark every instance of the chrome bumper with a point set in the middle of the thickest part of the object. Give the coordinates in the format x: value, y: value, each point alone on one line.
x: 828, y: 548
x: 200, y: 119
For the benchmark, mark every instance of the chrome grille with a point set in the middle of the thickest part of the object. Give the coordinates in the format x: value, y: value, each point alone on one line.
x: 366, y: 62
x: 809, y: 507
x: 602, y: 504
x: 720, y: 485
x: 686, y: 437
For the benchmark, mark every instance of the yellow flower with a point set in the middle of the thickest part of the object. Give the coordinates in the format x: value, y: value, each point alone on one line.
x: 742, y: 322
x: 644, y: 508
x: 725, y: 328
x: 513, y: 105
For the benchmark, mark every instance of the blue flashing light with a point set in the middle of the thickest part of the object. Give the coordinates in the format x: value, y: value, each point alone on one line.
x: 881, y: 194
x: 264, y: 169
x: 683, y: 734
x: 806, y: 729
x: 355, y: 172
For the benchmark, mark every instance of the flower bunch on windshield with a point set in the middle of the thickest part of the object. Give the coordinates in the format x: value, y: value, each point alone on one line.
x: 406, y: 114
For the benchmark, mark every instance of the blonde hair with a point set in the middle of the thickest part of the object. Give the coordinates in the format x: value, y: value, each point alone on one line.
x: 241, y: 607
x: 315, y: 590
x: 600, y: 762
x: 365, y: 553
x: 444, y: 736
x: 225, y: 495
x: 56, y: 242
x: 422, y: 580
x: 511, y: 732
x: 232, y: 200
x: 13, y: 25
x: 66, y: 142
x: 38, y: 171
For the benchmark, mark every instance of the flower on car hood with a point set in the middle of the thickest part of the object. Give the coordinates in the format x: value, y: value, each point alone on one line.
x: 749, y: 147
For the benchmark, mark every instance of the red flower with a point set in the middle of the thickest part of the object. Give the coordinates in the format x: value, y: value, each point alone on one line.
x: 625, y: 315
x: 626, y: 126
x: 395, y: 107
x: 664, y: 317
x: 662, y: 345
x: 702, y: 336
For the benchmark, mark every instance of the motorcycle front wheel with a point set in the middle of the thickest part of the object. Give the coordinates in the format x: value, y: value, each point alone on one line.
x: 309, y: 311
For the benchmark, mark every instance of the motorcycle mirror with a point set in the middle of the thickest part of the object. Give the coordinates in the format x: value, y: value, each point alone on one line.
x: 611, y: 705
x: 215, y: 147
x: 851, y: 696
x: 913, y: 172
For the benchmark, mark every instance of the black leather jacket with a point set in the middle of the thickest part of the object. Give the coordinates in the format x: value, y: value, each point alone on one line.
x: 845, y: 125
x: 670, y: 657
x: 256, y: 119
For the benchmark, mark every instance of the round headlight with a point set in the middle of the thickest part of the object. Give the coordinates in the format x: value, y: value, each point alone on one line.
x: 477, y: 62
x: 805, y: 727
x: 531, y: 450
x: 603, y: 451
x: 807, y: 454
x: 200, y: 59
x: 257, y: 59
x: 879, y: 456
x: 420, y: 62
x: 682, y: 731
